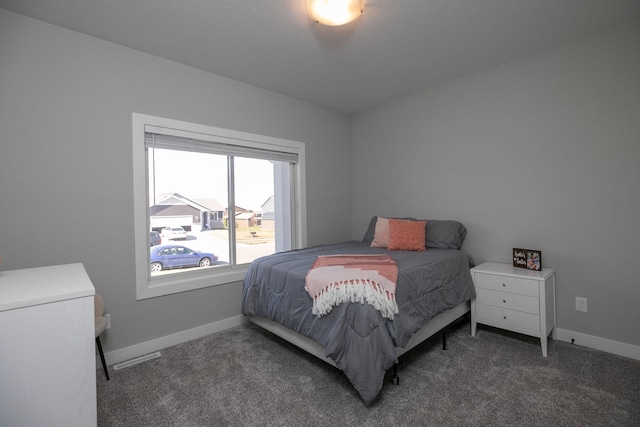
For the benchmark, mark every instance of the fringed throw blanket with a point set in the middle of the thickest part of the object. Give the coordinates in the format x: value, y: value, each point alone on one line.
x: 371, y: 279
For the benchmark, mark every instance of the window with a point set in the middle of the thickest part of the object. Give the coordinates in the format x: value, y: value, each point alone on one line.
x: 218, y: 198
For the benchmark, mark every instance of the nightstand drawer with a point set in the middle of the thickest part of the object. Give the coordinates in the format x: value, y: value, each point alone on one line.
x: 507, y: 284
x: 512, y: 320
x: 507, y: 300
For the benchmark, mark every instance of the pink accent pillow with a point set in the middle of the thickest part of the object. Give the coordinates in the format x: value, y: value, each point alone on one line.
x: 406, y: 235
x: 381, y: 235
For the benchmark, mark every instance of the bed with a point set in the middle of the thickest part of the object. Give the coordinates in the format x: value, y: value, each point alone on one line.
x: 434, y: 288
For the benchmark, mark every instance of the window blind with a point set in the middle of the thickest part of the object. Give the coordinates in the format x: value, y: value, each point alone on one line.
x: 218, y: 145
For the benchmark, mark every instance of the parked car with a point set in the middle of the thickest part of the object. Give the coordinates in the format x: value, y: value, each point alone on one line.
x: 174, y: 233
x: 154, y: 238
x: 165, y: 257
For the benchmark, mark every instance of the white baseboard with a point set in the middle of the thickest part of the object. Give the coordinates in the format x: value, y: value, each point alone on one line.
x: 120, y: 355
x: 615, y: 347
x: 146, y: 347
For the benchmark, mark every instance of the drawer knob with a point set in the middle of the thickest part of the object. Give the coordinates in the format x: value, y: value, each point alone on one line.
x: 504, y: 301
x: 505, y: 317
x: 503, y: 285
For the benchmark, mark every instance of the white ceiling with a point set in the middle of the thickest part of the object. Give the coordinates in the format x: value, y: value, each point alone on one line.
x: 397, y: 47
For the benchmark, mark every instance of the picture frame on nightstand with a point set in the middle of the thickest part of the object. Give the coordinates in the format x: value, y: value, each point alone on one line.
x: 527, y: 258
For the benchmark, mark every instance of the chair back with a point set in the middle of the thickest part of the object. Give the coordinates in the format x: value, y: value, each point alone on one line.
x: 98, y: 305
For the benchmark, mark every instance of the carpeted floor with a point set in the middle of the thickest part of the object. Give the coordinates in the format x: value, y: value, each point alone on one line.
x: 245, y: 376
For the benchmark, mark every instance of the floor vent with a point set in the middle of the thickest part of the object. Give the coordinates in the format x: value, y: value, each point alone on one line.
x: 136, y: 361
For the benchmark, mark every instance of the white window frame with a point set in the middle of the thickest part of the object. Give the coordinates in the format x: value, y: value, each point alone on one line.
x: 150, y: 287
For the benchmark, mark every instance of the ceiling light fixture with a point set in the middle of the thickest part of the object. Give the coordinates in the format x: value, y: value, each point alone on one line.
x: 335, y: 12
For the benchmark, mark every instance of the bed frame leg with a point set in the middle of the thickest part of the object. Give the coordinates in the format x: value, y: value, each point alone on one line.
x: 444, y: 340
x: 396, y: 379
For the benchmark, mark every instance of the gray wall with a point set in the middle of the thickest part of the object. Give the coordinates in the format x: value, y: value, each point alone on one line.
x: 66, y: 165
x: 542, y: 152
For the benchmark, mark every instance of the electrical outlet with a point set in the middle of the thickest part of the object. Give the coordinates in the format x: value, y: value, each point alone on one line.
x: 108, y: 317
x: 581, y: 304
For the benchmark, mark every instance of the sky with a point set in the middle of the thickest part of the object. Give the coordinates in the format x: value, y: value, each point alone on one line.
x: 197, y: 175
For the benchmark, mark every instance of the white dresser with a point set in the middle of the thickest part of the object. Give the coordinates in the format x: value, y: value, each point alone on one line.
x: 514, y: 299
x: 47, y: 347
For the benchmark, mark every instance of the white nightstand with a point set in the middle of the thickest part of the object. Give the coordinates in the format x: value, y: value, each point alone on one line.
x: 515, y: 299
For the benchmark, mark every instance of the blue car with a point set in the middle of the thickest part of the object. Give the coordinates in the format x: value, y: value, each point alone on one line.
x: 164, y: 257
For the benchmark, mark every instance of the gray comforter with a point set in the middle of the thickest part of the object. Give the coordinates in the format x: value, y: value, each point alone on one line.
x: 360, y: 341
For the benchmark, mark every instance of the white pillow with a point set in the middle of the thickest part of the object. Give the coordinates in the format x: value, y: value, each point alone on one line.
x: 381, y: 235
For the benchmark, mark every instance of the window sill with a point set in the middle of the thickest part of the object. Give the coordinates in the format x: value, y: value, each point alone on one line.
x: 183, y: 282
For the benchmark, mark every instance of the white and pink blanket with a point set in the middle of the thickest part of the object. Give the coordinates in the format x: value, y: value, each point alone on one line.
x: 370, y: 279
